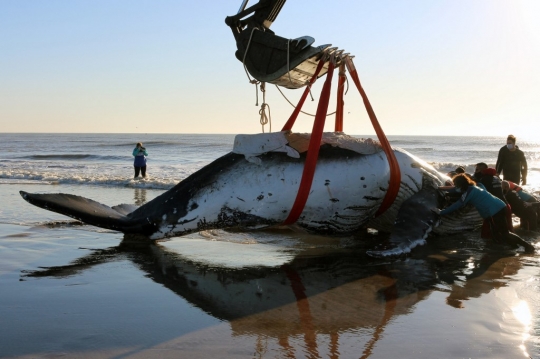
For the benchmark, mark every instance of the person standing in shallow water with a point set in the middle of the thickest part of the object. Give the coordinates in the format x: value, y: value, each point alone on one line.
x: 511, y: 162
x: 139, y: 152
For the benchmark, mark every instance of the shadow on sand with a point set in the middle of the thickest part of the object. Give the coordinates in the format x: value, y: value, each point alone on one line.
x: 320, y: 291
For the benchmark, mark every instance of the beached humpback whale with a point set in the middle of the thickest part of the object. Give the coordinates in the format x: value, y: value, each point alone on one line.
x: 255, y: 186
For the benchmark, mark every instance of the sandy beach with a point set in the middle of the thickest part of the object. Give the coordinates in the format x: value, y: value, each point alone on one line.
x: 79, y: 292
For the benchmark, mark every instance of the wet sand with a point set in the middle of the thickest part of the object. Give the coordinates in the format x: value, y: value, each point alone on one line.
x: 79, y: 292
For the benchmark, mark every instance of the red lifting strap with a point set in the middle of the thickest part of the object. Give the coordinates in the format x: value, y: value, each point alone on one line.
x: 289, y: 124
x: 313, y: 150
x: 395, y: 173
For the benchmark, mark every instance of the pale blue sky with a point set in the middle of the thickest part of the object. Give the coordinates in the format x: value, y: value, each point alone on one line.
x: 429, y: 67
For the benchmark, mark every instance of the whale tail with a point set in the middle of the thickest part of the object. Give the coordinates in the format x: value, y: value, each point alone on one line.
x: 86, y: 210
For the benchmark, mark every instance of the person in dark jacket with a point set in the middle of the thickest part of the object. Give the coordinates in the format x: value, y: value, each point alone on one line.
x: 511, y: 162
x: 488, y: 177
x: 527, y: 197
x: 493, y: 184
x: 530, y: 200
x: 523, y: 210
x: 139, y: 152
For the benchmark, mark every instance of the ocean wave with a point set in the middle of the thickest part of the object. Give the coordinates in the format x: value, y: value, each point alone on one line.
x: 445, y: 167
x: 73, y: 157
x: 22, y: 177
x: 70, y: 166
x: 197, y: 141
x: 22, y: 181
x: 145, y: 143
x: 421, y: 149
x: 398, y: 143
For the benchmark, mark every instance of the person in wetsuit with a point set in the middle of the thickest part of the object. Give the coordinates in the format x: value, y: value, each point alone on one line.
x: 489, y: 207
x: 511, y: 162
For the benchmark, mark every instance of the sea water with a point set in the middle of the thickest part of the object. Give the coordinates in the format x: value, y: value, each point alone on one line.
x: 106, y: 159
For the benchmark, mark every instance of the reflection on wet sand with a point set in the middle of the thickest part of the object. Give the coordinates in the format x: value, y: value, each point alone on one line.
x: 482, y: 276
x: 331, y: 292
x: 139, y: 196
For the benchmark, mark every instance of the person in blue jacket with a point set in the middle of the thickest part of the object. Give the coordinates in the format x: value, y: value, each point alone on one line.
x: 488, y: 206
x: 140, y: 160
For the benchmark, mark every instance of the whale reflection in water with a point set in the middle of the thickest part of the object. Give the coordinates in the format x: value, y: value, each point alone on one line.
x: 321, y: 291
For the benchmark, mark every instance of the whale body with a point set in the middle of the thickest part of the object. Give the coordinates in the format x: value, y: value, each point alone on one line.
x: 236, y: 192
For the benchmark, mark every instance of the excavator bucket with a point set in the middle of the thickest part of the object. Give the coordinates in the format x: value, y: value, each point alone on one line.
x: 274, y: 59
x: 290, y: 63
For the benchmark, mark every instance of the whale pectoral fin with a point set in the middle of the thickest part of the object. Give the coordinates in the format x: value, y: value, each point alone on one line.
x: 83, y: 209
x: 414, y: 222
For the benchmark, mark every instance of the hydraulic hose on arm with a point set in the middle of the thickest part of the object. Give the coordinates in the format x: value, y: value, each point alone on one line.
x: 339, y: 107
x: 395, y: 172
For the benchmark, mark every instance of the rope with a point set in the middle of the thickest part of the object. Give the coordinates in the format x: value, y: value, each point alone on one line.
x: 265, y: 119
x: 245, y: 54
x: 262, y: 112
x: 251, y: 81
x: 292, y: 119
x: 305, y: 113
